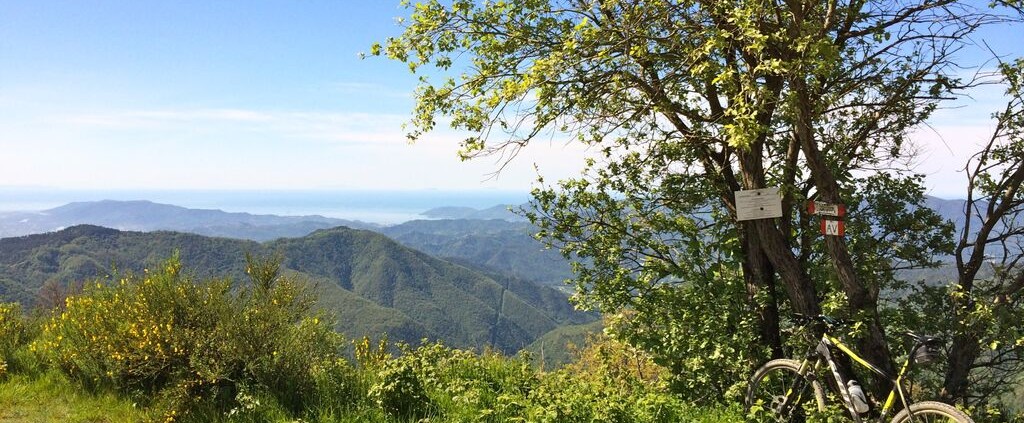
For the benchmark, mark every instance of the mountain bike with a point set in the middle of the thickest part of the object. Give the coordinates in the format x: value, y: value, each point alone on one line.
x: 786, y: 388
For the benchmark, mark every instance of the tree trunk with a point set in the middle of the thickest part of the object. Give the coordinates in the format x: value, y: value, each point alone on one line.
x: 962, y: 356
x: 859, y: 298
x: 798, y: 285
x: 966, y: 348
x: 760, y: 279
x: 758, y: 272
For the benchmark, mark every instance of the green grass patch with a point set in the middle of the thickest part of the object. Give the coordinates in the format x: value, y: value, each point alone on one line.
x: 51, y: 397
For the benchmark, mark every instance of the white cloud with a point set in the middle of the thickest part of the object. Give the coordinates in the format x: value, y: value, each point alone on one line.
x: 944, y: 151
x: 240, y: 148
x: 326, y: 126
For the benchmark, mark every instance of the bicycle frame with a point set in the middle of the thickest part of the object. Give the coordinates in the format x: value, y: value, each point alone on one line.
x: 823, y: 352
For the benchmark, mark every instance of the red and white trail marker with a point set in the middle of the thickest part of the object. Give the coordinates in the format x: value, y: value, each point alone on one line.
x: 833, y: 227
x: 826, y: 209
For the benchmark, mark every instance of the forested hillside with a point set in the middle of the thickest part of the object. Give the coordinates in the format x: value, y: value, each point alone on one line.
x: 493, y: 239
x: 496, y: 245
x: 371, y: 284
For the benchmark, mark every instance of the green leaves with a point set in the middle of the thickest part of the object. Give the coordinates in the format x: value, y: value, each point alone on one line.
x: 688, y: 102
x: 167, y: 337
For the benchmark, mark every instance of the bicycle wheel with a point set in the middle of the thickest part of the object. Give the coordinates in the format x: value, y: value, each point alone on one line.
x: 932, y: 412
x: 782, y: 393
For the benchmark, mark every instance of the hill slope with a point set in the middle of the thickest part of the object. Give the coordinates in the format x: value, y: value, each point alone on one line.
x: 494, y: 245
x: 371, y: 283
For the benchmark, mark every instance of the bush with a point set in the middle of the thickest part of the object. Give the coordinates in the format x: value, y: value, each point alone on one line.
x: 210, y: 352
x: 337, y: 389
x: 162, y: 336
x: 399, y: 391
x: 689, y: 329
x: 610, y: 382
x: 12, y: 334
x: 471, y: 387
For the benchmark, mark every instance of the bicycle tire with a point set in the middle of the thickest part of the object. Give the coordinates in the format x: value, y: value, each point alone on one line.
x: 929, y: 411
x: 781, y: 376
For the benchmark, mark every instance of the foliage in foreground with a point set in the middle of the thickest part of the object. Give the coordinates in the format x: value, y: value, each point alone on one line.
x: 682, y: 105
x: 160, y: 346
x: 12, y: 330
x: 160, y: 337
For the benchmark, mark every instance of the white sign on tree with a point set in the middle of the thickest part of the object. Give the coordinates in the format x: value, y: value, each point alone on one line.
x: 763, y: 203
x: 833, y: 227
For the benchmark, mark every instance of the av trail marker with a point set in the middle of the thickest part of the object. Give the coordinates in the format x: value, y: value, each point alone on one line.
x: 834, y: 227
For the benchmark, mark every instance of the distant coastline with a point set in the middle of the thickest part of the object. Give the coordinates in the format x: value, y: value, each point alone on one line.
x: 382, y: 207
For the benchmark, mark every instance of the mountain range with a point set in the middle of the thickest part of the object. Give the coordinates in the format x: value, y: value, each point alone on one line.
x: 499, y: 212
x: 494, y: 239
x: 370, y: 283
x: 149, y: 216
x: 495, y: 245
x: 466, y: 276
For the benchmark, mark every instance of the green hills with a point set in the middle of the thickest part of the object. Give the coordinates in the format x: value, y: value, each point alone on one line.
x: 495, y: 245
x: 369, y: 283
x: 494, y: 239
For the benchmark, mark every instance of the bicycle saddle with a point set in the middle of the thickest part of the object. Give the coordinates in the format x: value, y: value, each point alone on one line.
x: 926, y: 347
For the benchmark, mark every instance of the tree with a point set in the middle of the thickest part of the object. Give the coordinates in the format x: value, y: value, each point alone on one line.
x: 686, y: 103
x: 989, y: 305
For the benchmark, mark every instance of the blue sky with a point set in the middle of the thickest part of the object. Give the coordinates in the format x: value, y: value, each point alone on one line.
x: 264, y: 95
x: 221, y: 95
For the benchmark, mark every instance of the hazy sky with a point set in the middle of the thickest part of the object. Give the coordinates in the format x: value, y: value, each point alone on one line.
x: 262, y: 94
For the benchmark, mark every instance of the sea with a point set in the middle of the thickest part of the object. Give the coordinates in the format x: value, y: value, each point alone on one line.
x: 385, y: 207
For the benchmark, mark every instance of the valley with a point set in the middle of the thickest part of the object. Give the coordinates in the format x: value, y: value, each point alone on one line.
x: 371, y: 284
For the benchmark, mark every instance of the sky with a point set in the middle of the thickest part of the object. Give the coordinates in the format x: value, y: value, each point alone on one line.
x: 268, y: 95
x: 222, y: 95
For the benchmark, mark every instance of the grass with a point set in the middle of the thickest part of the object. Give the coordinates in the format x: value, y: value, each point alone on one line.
x: 51, y: 397
x: 203, y: 353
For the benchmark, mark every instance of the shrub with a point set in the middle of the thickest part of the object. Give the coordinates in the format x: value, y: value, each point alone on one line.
x: 399, y: 391
x: 12, y: 334
x: 135, y: 334
x: 210, y: 351
x: 690, y: 330
x: 159, y: 335
x: 610, y: 382
x: 469, y: 387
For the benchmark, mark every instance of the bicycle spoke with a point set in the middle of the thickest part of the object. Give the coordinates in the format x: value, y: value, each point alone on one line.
x: 781, y: 391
